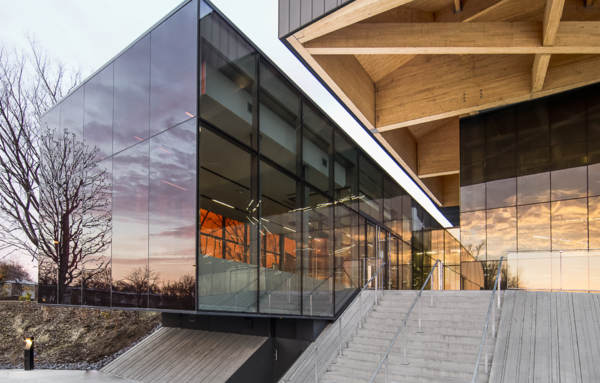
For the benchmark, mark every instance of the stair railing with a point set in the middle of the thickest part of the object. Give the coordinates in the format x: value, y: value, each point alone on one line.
x: 332, y: 341
x: 493, y: 309
x: 383, y: 361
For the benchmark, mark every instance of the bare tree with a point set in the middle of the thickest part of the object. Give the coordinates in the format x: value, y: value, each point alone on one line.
x: 11, y: 271
x: 54, y: 199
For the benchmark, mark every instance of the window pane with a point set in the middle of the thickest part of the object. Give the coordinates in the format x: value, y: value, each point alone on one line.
x: 227, y: 268
x: 132, y: 95
x: 533, y: 188
x: 500, y: 145
x: 131, y: 277
x: 472, y: 234
x: 173, y: 70
x: 317, y: 255
x: 594, y: 180
x: 173, y: 217
x: 228, y: 77
x: 316, y: 148
x: 569, y: 183
x: 501, y: 232
x: 593, y: 124
x: 569, y: 224
x: 280, y: 243
x: 393, y: 194
x: 534, y: 227
x: 346, y: 254
x: 533, y: 137
x: 472, y: 197
x: 501, y: 193
x: 279, y: 114
x: 98, y: 127
x: 71, y: 113
x: 346, y: 170
x: 568, y: 132
x: 370, y: 187
x: 96, y: 269
x: 594, y: 217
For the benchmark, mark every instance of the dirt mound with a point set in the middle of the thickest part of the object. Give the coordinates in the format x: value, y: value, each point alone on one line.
x: 69, y: 337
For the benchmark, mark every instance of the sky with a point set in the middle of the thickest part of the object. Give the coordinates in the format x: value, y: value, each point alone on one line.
x: 84, y: 35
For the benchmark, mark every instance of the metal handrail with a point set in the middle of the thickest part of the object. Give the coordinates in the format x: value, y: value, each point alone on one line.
x: 405, y: 320
x: 314, y: 360
x: 497, y: 286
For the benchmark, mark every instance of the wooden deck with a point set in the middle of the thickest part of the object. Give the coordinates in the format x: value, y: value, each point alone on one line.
x: 181, y: 355
x: 548, y: 337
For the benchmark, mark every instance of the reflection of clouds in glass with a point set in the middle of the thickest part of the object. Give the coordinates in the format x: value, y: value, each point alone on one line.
x: 569, y: 224
x: 130, y: 210
x: 172, y: 203
x: 132, y: 82
x: 501, y: 232
x: 173, y: 70
x: 99, y: 112
x: 472, y: 233
x: 534, y: 227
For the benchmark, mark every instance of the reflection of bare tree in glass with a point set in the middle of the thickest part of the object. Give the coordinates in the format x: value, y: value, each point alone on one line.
x: 140, y: 280
x: 184, y: 287
x: 74, y: 209
x: 54, y: 199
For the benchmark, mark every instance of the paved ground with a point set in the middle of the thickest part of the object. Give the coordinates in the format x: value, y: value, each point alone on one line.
x: 62, y: 376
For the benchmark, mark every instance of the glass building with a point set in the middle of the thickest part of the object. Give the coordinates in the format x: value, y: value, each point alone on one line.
x: 228, y: 190
x: 530, y: 177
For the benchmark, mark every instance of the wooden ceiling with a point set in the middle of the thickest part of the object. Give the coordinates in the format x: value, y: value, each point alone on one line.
x: 409, y: 69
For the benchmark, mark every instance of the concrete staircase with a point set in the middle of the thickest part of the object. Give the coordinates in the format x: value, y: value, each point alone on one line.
x: 445, y: 351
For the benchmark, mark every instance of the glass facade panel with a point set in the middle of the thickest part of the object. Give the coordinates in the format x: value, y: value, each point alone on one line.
x: 371, y: 188
x: 346, y: 170
x: 227, y: 78
x: 96, y: 268
x: 472, y: 197
x: 569, y: 225
x: 227, y: 266
x: 173, y: 70
x: 131, y: 277
x: 71, y: 114
x: 569, y: 183
x: 317, y: 254
x: 98, y: 119
x: 501, y: 193
x: 281, y: 225
x: 567, y: 131
x: 533, y: 188
x: 472, y: 234
x: 501, y: 232
x: 534, y: 227
x: 317, y: 149
x: 132, y: 95
x: 594, y: 180
x: 594, y: 222
x: 172, y: 215
x: 279, y: 120
x: 346, y: 254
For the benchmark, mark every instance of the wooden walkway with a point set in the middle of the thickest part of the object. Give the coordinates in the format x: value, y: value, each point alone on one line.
x: 548, y: 337
x: 181, y: 355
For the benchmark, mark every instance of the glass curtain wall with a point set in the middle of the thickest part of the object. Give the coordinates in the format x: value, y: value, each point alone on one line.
x: 231, y: 193
x: 131, y: 133
x: 529, y: 192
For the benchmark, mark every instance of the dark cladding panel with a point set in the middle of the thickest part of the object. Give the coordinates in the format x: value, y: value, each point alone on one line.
x: 173, y: 70
x: 297, y: 14
x: 172, y: 217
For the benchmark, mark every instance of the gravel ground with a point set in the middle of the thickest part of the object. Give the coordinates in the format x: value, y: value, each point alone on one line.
x: 70, y: 338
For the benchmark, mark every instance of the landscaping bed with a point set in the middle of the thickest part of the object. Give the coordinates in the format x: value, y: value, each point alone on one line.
x: 69, y: 337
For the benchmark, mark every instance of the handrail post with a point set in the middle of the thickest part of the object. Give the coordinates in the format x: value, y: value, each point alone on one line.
x: 420, y: 329
x: 386, y: 369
